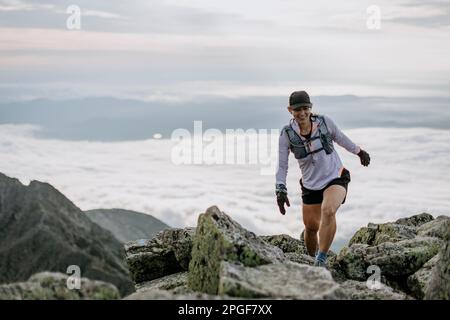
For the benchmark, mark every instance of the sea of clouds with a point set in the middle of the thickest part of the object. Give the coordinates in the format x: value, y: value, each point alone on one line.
x: 409, y: 174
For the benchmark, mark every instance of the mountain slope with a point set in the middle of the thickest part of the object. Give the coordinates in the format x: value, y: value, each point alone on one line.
x: 127, y: 225
x: 42, y: 230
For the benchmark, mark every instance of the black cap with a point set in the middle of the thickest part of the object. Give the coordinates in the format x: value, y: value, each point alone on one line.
x: 299, y: 99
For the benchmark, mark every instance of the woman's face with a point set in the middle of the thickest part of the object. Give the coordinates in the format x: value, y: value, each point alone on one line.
x: 302, y: 114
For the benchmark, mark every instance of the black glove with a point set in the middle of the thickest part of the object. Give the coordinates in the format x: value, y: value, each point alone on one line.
x: 364, y: 157
x: 282, y: 197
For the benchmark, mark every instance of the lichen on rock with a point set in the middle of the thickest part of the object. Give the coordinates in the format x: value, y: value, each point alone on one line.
x: 218, y: 238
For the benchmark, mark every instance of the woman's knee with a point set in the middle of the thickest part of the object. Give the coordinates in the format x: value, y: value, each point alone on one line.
x: 311, y: 225
x: 328, y: 212
x: 311, y: 217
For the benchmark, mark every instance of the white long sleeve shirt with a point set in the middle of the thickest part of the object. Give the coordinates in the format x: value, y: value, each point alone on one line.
x: 319, y: 168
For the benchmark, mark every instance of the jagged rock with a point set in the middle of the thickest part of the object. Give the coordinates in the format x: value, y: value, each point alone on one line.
x: 419, y: 281
x: 42, y: 230
x: 286, y: 243
x: 356, y: 290
x: 416, y: 220
x: 375, y: 234
x: 439, y: 285
x: 53, y: 286
x: 436, y: 228
x: 397, y: 259
x: 167, y: 253
x: 286, y: 280
x: 218, y: 238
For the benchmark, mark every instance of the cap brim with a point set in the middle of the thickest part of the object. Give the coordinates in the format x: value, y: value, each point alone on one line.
x: 300, y: 105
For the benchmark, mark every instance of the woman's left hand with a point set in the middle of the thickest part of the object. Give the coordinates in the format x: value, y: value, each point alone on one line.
x: 364, y: 157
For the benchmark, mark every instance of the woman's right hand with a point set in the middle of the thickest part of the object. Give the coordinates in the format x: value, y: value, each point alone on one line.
x: 282, y: 198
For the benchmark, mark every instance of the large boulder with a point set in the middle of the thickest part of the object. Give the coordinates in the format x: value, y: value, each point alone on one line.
x: 218, y: 238
x: 395, y: 259
x: 356, y: 290
x: 286, y: 243
x: 416, y: 220
x: 419, y: 282
x: 53, y: 286
x: 402, y: 229
x: 294, y: 249
x: 439, y: 285
x: 167, y: 253
x: 375, y: 234
x: 436, y: 228
x: 286, y: 280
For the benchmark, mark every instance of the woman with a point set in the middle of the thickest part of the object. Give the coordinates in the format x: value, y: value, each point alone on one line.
x: 324, y: 179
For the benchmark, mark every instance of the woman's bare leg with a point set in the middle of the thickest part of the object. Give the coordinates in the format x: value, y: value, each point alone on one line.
x: 332, y: 199
x: 311, y: 220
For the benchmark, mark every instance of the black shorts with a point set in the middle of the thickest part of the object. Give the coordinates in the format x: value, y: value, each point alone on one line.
x: 316, y: 196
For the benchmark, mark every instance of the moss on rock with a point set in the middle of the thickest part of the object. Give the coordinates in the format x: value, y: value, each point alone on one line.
x: 218, y: 238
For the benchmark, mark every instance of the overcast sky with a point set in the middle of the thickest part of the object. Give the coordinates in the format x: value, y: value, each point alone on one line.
x: 181, y: 49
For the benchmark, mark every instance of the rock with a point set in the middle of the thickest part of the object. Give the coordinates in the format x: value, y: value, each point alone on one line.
x: 439, y: 285
x: 436, y: 228
x: 375, y: 234
x: 404, y: 257
x: 300, y: 258
x: 419, y: 281
x: 351, y: 261
x: 356, y: 290
x: 53, y: 286
x: 167, y: 253
x: 42, y: 230
x: 173, y: 287
x: 286, y: 280
x: 364, y: 235
x: 416, y: 220
x: 127, y: 225
x: 397, y: 259
x: 156, y: 294
x: 218, y: 238
x: 169, y: 282
x: 286, y: 243
x: 159, y: 294
x: 181, y: 242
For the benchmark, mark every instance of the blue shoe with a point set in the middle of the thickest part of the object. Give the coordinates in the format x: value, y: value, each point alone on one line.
x: 321, y: 259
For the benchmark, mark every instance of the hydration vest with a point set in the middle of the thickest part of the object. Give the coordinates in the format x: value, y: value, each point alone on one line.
x: 300, y: 147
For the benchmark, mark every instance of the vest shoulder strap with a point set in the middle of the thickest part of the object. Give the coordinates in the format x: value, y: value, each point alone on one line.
x: 322, y: 124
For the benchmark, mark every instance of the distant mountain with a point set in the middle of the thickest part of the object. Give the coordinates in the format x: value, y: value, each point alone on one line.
x: 110, y: 119
x: 127, y: 225
x: 42, y: 230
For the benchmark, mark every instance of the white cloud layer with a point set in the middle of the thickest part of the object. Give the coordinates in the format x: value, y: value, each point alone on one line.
x: 409, y: 174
